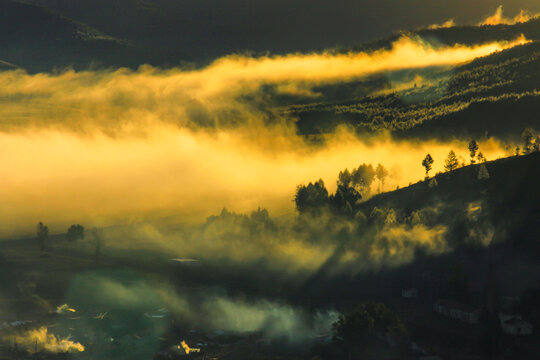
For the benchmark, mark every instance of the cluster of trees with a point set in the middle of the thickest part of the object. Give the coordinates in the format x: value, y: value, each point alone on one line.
x: 452, y: 162
x: 240, y: 226
x: 352, y: 186
x: 530, y: 142
x: 362, y: 177
x: 74, y: 232
x: 314, y: 197
x: 359, y: 328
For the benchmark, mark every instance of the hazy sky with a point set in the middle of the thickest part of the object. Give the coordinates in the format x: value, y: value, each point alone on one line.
x: 211, y: 28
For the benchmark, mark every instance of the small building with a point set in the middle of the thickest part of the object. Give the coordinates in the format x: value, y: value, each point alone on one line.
x: 515, y: 325
x: 458, y: 311
x: 411, y: 293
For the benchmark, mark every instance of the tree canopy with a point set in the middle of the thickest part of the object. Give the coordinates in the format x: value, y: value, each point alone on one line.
x: 367, y: 320
x: 75, y: 232
x: 311, y: 198
x: 42, y: 235
x: 473, y: 148
x: 427, y: 163
x: 451, y: 163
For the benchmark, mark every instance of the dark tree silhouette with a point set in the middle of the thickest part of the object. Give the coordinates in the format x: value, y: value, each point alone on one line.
x: 42, y: 235
x: 311, y: 198
x: 473, y: 148
x: 527, y: 136
x: 75, y: 232
x: 358, y: 328
x: 481, y: 158
x: 451, y: 163
x: 345, y: 178
x: 344, y: 200
x: 362, y: 178
x: 427, y: 163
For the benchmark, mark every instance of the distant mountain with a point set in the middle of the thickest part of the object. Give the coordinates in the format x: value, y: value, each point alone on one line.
x: 41, y: 35
x: 206, y: 29
x: 39, y: 39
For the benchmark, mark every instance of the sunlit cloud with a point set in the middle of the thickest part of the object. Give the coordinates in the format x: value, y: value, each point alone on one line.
x: 498, y: 18
x: 125, y: 99
x: 60, y: 177
x: 40, y: 339
x: 447, y: 24
x: 99, y: 147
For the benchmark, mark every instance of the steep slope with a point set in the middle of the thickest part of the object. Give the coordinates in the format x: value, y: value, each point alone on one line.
x: 509, y: 196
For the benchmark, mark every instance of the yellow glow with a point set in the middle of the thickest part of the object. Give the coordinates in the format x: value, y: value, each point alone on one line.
x: 63, y: 178
x: 103, y: 147
x: 41, y: 340
x: 498, y: 18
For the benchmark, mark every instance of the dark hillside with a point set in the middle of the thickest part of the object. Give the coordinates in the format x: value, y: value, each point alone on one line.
x: 492, y: 96
x: 510, y: 195
x: 39, y: 39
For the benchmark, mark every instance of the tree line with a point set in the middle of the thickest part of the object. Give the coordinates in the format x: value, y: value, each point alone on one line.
x: 530, y: 143
x: 74, y: 232
x: 352, y: 186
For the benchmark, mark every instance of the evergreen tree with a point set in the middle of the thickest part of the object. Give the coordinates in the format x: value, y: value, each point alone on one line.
x: 451, y: 163
x: 473, y: 148
x: 483, y: 173
x: 427, y: 163
x: 481, y: 158
x: 527, y: 136
x: 42, y: 235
